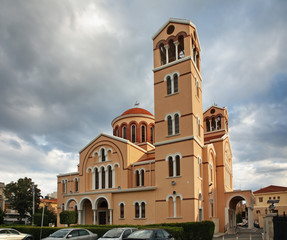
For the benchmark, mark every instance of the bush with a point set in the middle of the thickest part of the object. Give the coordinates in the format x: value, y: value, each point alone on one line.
x: 68, y: 217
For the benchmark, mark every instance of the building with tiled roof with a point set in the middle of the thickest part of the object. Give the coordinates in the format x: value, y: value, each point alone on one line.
x: 173, y: 166
x: 272, y: 192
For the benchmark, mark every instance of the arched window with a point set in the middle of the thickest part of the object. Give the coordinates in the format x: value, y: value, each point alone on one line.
x: 169, y: 123
x: 133, y: 133
x: 97, y: 178
x: 110, y: 172
x: 103, y: 155
x: 218, y: 123
x: 143, y: 133
x: 168, y: 83
x: 171, y: 51
x: 151, y: 135
x: 162, y: 54
x: 174, y: 205
x: 198, y: 126
x: 213, y: 124
x: 122, y: 210
x: 197, y: 87
x: 210, y: 172
x: 175, y: 83
x: 76, y: 184
x: 170, y: 207
x: 142, y: 210
x: 124, y: 132
x: 200, y: 170
x: 142, y: 177
x: 137, y: 178
x: 177, y: 164
x: 181, y: 47
x: 170, y: 166
x: 178, y: 206
x: 103, y: 178
x: 137, y: 210
x: 117, y: 131
x: 176, y: 123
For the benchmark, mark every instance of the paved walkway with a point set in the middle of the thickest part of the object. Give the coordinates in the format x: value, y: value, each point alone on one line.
x: 242, y: 234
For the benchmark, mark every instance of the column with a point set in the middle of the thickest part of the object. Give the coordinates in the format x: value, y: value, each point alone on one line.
x: 94, y: 216
x: 111, y: 216
x: 174, y: 207
x: 174, y: 166
x: 176, y: 43
x: 80, y: 216
x: 250, y: 218
x: 166, y: 53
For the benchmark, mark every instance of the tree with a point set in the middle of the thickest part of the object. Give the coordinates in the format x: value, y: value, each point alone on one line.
x: 20, y: 196
x: 2, y: 214
x: 49, y: 217
x: 69, y: 217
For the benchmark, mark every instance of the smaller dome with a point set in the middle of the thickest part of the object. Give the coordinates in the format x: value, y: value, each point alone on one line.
x: 137, y: 111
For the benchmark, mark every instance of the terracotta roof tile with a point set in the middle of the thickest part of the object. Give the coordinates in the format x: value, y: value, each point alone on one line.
x: 271, y: 188
x: 136, y: 111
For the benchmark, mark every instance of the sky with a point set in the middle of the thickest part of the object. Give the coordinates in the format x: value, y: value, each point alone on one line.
x: 68, y: 68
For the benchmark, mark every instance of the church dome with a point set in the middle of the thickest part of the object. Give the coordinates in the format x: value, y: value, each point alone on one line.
x: 136, y: 125
x: 136, y: 111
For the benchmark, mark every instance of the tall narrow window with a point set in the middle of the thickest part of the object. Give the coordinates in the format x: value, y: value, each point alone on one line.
x: 151, y: 135
x: 198, y: 126
x: 97, y: 178
x: 171, y: 51
x: 110, y: 172
x: 137, y: 178
x: 168, y: 82
x: 199, y: 167
x: 169, y: 123
x: 133, y: 133
x: 175, y: 83
x: 103, y: 155
x: 213, y: 124
x: 103, y: 178
x: 124, y: 133
x: 142, y: 210
x: 117, y: 131
x: 176, y: 120
x: 162, y: 54
x: 170, y: 166
x: 218, y: 123
x: 181, y: 47
x: 137, y: 210
x: 122, y: 210
x: 142, y: 177
x: 76, y: 184
x: 143, y: 133
x: 177, y: 161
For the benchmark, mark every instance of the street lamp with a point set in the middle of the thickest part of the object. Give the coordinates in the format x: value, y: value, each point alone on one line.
x: 42, y: 221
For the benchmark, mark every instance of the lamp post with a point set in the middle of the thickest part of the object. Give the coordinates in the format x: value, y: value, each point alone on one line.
x: 42, y: 221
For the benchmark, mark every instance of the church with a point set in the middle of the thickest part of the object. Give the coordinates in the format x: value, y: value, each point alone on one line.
x: 173, y: 166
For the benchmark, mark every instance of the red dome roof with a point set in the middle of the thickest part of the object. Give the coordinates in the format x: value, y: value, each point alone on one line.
x: 137, y: 111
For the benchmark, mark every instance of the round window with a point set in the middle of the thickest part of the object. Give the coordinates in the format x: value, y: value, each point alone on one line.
x: 170, y: 29
x: 212, y: 111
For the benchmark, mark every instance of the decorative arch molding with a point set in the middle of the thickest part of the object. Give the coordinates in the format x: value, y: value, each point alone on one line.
x: 174, y: 196
x: 89, y: 168
x: 69, y: 201
x: 80, y: 205
x: 97, y: 201
x: 171, y: 75
x: 248, y: 204
x: 172, y: 115
x: 165, y: 41
x: 122, y: 203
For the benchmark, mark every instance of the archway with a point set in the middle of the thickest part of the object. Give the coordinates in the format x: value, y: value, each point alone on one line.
x: 230, y: 209
x: 87, y: 217
x: 102, y: 211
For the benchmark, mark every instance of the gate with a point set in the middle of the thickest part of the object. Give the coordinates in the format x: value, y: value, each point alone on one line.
x: 280, y: 227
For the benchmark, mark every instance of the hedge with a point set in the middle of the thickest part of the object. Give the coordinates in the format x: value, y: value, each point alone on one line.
x: 180, y: 231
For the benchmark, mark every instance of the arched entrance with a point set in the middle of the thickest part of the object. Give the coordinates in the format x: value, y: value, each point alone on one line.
x: 102, y: 211
x: 87, y: 217
x: 230, y: 209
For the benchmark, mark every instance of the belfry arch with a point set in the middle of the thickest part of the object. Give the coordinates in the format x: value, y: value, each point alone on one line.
x: 233, y: 198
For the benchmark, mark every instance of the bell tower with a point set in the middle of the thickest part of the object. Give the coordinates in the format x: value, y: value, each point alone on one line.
x: 179, y: 137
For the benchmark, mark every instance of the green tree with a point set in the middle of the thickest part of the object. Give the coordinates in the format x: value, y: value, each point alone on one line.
x: 20, y: 196
x: 69, y: 217
x: 49, y: 217
x: 2, y: 214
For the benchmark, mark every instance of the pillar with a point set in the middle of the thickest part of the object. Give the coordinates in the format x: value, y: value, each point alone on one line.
x: 250, y: 218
